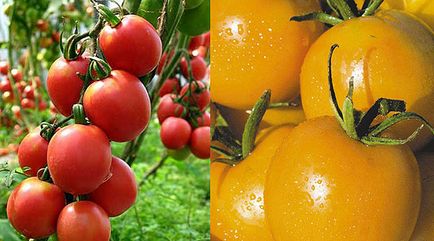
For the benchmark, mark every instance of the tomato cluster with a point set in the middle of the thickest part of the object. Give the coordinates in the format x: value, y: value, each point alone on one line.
x: 185, y: 123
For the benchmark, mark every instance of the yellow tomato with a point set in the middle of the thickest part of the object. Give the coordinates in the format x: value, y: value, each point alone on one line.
x: 237, y: 200
x: 255, y: 47
x: 425, y: 224
x: 389, y: 55
x: 324, y: 186
x: 283, y: 115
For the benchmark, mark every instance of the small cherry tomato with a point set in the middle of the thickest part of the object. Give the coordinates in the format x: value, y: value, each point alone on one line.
x: 55, y: 36
x: 43, y: 105
x: 42, y: 25
x: 204, y: 119
x: 199, y: 95
x: 83, y: 221
x: 45, y: 42
x: 63, y: 83
x: 119, y: 105
x: 198, y: 68
x: 175, y: 133
x: 200, y: 142
x: 79, y: 158
x: 8, y: 97
x: 34, y: 206
x: 27, y: 103
x: 207, y: 39
x: 32, y: 152
x: 133, y: 45
x: 29, y: 92
x: 5, y: 85
x: 196, y: 42
x: 4, y: 67
x: 170, y: 86
x: 17, y: 75
x: 122, y: 183
x: 168, y: 107
x: 16, y: 110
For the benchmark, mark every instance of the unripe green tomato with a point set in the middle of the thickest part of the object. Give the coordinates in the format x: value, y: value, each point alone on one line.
x: 150, y: 10
x: 180, y: 154
x: 190, y: 4
x: 196, y: 21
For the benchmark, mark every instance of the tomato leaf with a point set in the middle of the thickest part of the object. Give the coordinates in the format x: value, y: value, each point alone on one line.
x: 7, y: 232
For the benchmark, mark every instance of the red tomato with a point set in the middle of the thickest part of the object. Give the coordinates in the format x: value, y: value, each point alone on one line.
x: 199, y: 97
x: 21, y: 85
x: 43, y: 105
x: 29, y: 92
x: 5, y: 85
x: 27, y: 103
x: 122, y: 183
x: 55, y: 36
x: 8, y: 97
x: 196, y: 42
x: 17, y: 75
x: 4, y: 67
x: 168, y: 107
x: 64, y: 85
x: 79, y: 158
x: 4, y: 151
x: 207, y: 38
x: 37, y: 80
x: 204, y: 119
x: 42, y: 25
x: 198, y: 68
x: 83, y: 221
x: 16, y: 110
x: 175, y: 133
x: 33, y: 208
x: 32, y: 152
x: 200, y: 142
x: 45, y: 42
x: 119, y: 105
x: 170, y: 86
x: 133, y: 45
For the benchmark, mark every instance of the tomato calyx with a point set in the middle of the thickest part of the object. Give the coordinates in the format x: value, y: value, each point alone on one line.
x: 358, y: 124
x: 108, y: 15
x: 343, y: 9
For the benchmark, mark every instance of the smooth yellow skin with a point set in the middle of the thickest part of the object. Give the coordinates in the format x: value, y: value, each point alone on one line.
x: 423, y: 9
x: 389, y: 55
x: 255, y: 47
x: 237, y: 200
x: 425, y: 224
x: 283, y: 115
x: 324, y: 186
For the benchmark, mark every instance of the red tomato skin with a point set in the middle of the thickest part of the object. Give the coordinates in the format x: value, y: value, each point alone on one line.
x: 200, y: 142
x: 4, y: 67
x: 32, y: 152
x: 175, y: 133
x: 196, y: 42
x: 33, y: 208
x: 63, y: 84
x: 204, y: 120
x: 133, y: 45
x: 198, y: 68
x: 17, y: 75
x: 168, y: 107
x: 119, y: 105
x: 170, y: 86
x: 27, y: 103
x: 5, y: 85
x: 207, y: 38
x: 201, y: 99
x: 29, y: 92
x: 119, y: 193
x: 79, y: 158
x: 83, y: 221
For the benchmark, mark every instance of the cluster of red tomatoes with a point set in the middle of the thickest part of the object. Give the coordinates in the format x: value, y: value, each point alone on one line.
x: 185, y: 123
x: 80, y: 183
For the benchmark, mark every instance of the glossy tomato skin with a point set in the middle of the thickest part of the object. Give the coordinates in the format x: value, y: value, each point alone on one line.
x: 27, y: 103
x: 119, y: 105
x: 133, y: 45
x: 32, y: 152
x: 204, y: 119
x: 33, y: 208
x: 196, y: 42
x: 378, y: 66
x: 237, y: 193
x: 197, y: 20
x: 83, y: 220
x: 5, y: 85
x: 4, y: 67
x: 198, y: 68
x: 168, y: 107
x: 258, y: 49
x: 170, y: 86
x: 200, y: 142
x: 323, y: 185
x: 175, y: 133
x: 119, y: 192
x: 283, y: 115
x: 79, y: 158
x: 199, y: 97
x: 64, y: 85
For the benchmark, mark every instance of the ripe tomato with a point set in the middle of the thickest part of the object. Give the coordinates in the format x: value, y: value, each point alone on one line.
x: 258, y: 49
x: 143, y: 50
x: 32, y: 152
x: 175, y: 133
x: 64, y: 85
x: 204, y: 119
x: 79, y: 158
x: 83, y: 220
x: 16, y: 110
x: 283, y: 115
x: 196, y: 42
x: 55, y: 36
x: 323, y: 185
x: 17, y: 75
x: 378, y: 66
x: 237, y: 199
x: 206, y: 41
x: 196, y: 21
x: 200, y: 142
x: 425, y: 226
x: 43, y: 105
x: 29, y: 92
x: 170, y: 86
x: 119, y: 105
x: 27, y: 103
x: 42, y: 25
x: 168, y: 107
x: 122, y: 183
x: 5, y: 85
x: 199, y: 97
x: 4, y: 67
x: 198, y: 68
x: 180, y: 154
x: 33, y: 208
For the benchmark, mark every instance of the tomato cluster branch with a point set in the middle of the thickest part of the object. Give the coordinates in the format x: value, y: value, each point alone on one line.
x: 153, y: 170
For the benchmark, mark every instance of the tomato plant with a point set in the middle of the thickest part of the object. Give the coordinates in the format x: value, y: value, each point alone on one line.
x: 32, y: 152
x: 196, y: 20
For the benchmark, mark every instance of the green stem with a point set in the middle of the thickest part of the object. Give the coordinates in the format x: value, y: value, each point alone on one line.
x: 153, y: 170
x: 79, y: 115
x: 322, y: 17
x: 370, y: 10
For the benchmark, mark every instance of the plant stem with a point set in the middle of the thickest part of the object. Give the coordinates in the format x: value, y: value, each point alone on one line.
x: 153, y: 170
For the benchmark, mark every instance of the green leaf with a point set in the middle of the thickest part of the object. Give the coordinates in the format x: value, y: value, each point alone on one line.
x: 7, y: 233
